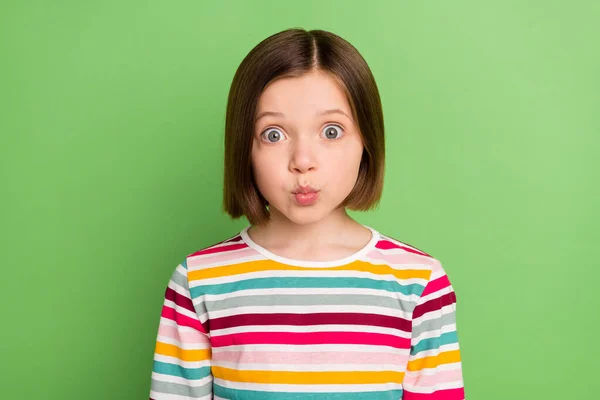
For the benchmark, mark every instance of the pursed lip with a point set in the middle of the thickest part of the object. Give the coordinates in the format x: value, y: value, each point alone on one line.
x: 305, y: 190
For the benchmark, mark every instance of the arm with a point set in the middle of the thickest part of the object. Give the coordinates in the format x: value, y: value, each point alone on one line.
x: 434, y: 370
x: 182, y: 354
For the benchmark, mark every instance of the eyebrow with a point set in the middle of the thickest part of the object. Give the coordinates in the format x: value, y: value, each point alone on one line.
x: 319, y: 114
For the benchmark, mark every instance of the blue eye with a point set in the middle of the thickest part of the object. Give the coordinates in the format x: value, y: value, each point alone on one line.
x: 330, y: 133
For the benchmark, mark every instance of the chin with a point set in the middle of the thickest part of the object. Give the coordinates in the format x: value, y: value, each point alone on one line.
x: 302, y: 215
x: 309, y: 215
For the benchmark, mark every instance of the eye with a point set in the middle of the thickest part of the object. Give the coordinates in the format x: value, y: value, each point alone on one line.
x: 272, y: 135
x: 331, y: 133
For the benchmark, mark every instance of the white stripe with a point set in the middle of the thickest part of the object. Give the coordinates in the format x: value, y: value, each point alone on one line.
x: 310, y: 367
x: 435, y: 352
x: 433, y: 314
x: 437, y: 271
x: 181, y: 269
x: 438, y: 386
x: 180, y: 309
x: 184, y: 364
x: 201, y: 318
x: 381, y: 257
x: 182, y: 381
x: 396, y: 241
x: 183, y: 345
x: 307, y: 291
x: 182, y: 328
x: 178, y: 289
x: 168, y: 396
x: 355, y: 348
x: 434, y: 333
x: 242, y: 256
x: 169, y: 322
x: 436, y: 294
x: 434, y: 371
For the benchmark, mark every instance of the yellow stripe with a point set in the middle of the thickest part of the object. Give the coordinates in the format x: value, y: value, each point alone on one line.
x: 433, y: 361
x: 268, y: 265
x: 184, y: 355
x: 310, y: 377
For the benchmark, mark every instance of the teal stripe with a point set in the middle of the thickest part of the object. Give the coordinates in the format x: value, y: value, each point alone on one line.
x: 184, y: 263
x: 178, y: 370
x: 298, y: 282
x: 228, y: 393
x: 434, y: 343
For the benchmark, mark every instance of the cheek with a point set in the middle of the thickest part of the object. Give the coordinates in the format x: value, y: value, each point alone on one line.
x: 268, y: 176
x: 346, y: 160
x: 346, y: 168
x: 259, y: 164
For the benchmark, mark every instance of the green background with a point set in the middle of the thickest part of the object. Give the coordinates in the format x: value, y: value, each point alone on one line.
x: 111, y: 159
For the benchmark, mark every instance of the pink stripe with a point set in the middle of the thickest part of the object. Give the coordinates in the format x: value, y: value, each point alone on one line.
x: 188, y: 337
x: 448, y: 394
x: 180, y: 319
x: 417, y: 379
x: 378, y: 339
x: 218, y: 258
x: 436, y: 285
x: 323, y: 357
x: 400, y: 258
x: 220, y: 249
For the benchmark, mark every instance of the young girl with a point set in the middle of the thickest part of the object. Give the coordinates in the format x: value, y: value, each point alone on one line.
x: 305, y: 302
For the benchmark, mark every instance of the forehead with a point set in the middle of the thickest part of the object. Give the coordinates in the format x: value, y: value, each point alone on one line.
x: 314, y: 91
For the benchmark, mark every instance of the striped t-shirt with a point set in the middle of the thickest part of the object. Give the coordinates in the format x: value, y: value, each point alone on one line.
x: 239, y: 322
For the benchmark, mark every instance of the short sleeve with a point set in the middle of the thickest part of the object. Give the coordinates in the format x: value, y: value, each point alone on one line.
x: 434, y: 369
x: 182, y: 356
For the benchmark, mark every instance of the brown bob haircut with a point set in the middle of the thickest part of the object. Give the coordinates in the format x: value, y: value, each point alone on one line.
x: 292, y: 53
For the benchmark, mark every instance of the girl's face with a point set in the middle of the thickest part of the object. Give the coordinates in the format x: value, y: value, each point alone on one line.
x: 299, y: 141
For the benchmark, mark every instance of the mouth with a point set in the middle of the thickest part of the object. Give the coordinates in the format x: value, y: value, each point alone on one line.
x: 306, y: 195
x: 305, y: 190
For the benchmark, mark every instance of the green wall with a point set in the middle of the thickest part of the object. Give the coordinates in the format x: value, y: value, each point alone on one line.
x: 111, y: 153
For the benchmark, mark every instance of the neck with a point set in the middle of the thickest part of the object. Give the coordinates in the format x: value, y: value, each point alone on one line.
x: 279, y: 231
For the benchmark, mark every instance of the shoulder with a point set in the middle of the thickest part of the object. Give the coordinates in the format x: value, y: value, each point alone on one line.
x: 428, y: 273
x: 388, y: 242
x: 397, y: 251
x: 216, y: 254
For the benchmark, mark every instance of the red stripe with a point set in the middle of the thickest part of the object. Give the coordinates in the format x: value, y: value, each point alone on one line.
x: 378, y: 339
x: 386, y: 245
x: 221, y: 249
x: 435, y: 285
x: 434, y: 304
x: 233, y: 239
x: 179, y: 299
x: 448, y: 394
x: 311, y: 319
x: 182, y: 320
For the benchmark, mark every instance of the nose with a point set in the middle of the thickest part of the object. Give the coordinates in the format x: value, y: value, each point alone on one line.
x: 303, y: 157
